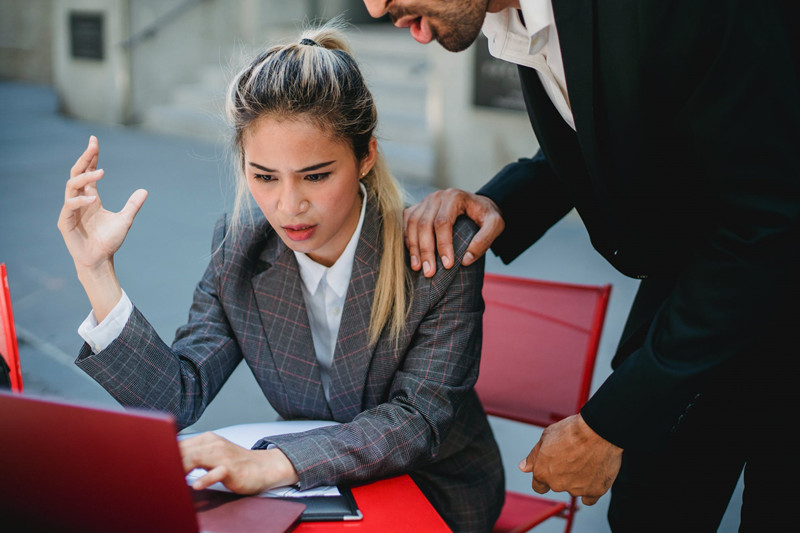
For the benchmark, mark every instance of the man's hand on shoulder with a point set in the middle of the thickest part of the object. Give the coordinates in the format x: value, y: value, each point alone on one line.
x: 429, y: 228
x: 571, y: 457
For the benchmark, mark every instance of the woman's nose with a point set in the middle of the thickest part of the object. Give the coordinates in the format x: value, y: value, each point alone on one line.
x: 292, y: 201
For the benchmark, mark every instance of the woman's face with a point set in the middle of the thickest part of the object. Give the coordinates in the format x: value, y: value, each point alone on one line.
x: 306, y: 184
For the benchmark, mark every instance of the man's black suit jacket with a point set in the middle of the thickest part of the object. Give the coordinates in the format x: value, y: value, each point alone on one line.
x: 685, y: 171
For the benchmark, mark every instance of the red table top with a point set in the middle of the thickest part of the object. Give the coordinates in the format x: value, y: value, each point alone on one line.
x: 390, y: 505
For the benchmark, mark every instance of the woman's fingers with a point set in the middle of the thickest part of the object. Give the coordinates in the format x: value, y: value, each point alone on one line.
x: 88, y: 159
x: 76, y: 185
x: 216, y: 474
x: 93, y: 163
x: 66, y: 219
x: 133, y: 205
x: 73, y: 204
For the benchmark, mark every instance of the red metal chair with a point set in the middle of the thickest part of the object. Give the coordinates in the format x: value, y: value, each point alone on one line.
x: 8, y: 335
x: 540, y: 342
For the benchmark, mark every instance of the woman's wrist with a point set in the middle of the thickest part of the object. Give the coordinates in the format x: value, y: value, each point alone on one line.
x: 101, y: 286
x: 278, y: 468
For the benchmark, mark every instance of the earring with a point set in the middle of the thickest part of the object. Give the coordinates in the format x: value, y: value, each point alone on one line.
x: 363, y: 174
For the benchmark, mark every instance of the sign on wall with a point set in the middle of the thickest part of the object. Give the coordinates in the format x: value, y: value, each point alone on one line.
x: 86, y: 35
x: 495, y: 82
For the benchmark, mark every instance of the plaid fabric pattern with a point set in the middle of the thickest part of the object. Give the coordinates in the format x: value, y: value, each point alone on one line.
x: 405, y: 408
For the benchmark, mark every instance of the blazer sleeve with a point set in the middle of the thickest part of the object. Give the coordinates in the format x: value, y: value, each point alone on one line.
x: 140, y: 370
x: 434, y: 381
x: 742, y: 119
x: 531, y: 199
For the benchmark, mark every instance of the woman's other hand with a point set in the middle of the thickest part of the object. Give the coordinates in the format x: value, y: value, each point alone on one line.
x: 93, y: 234
x: 241, y: 470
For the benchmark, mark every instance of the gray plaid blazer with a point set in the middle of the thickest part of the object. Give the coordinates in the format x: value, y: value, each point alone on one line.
x: 408, y: 408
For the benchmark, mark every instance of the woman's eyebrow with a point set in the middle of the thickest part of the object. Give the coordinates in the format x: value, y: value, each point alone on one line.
x: 306, y: 169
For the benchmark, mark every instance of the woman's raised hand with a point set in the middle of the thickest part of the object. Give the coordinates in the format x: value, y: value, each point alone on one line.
x: 94, y: 234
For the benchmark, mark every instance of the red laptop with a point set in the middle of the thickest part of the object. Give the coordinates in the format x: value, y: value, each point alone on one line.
x: 72, y: 468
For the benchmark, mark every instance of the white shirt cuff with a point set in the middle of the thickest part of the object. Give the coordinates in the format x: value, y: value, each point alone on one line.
x: 99, y: 336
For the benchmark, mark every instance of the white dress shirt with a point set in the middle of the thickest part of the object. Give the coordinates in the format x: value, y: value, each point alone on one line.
x: 99, y: 336
x: 324, y: 292
x: 533, y: 44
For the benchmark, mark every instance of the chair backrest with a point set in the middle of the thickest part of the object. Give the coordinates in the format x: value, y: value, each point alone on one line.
x: 8, y: 335
x: 540, y: 342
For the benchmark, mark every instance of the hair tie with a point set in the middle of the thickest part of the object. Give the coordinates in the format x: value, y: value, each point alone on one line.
x: 309, y: 42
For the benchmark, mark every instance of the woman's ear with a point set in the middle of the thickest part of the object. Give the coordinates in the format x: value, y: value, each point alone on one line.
x: 369, y: 160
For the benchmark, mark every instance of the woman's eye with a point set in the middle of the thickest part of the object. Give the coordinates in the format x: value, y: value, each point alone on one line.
x: 263, y: 177
x: 317, y: 177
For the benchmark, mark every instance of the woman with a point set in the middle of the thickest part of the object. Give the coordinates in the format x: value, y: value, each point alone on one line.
x: 315, y: 295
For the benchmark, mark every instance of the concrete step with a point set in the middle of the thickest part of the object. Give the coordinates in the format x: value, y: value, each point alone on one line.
x: 202, y: 97
x: 179, y: 120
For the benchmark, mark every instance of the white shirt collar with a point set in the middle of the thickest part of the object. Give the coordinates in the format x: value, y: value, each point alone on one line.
x: 538, y: 16
x: 338, y: 274
x: 534, y: 45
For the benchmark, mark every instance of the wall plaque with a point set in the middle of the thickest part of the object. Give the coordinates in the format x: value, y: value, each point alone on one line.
x: 86, y: 35
x: 495, y: 82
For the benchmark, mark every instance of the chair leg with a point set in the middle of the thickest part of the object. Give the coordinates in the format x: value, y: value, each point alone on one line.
x: 569, y: 513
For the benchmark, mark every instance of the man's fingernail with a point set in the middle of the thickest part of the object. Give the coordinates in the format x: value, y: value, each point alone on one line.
x: 446, y: 261
x: 414, y: 261
x: 426, y: 267
x: 522, y: 465
x: 468, y: 258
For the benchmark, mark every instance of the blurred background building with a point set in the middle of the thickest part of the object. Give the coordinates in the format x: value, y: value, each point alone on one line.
x: 445, y: 119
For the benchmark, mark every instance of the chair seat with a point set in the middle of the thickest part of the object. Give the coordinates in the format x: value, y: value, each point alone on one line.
x: 521, y: 512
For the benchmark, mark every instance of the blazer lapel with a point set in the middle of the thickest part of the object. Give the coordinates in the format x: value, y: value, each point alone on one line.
x: 353, y: 353
x: 576, y: 34
x: 279, y: 297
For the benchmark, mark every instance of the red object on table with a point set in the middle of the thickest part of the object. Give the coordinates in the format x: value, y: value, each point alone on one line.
x: 389, y: 505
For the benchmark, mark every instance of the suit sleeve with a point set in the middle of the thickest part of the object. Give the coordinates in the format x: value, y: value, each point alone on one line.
x: 531, y: 200
x: 436, y: 378
x: 140, y: 370
x: 742, y: 119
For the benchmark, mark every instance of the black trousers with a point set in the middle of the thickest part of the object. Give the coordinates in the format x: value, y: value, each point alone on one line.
x: 744, y: 419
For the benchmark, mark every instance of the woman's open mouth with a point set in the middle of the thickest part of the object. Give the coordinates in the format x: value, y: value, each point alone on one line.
x: 299, y: 232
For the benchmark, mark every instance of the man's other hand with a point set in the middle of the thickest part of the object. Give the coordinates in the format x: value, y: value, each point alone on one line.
x: 571, y: 457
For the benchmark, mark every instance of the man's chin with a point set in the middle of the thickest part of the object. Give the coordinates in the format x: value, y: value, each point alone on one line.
x: 459, y: 47
x: 455, y: 44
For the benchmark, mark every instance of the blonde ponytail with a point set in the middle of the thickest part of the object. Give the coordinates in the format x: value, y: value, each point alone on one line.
x: 389, y: 306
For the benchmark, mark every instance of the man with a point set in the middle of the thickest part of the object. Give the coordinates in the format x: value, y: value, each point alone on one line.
x: 673, y: 128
